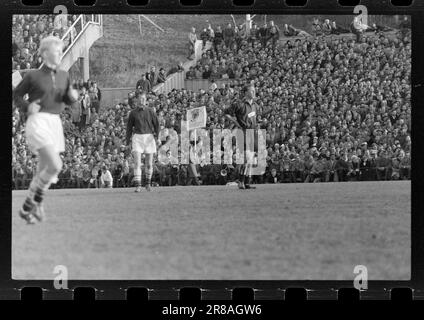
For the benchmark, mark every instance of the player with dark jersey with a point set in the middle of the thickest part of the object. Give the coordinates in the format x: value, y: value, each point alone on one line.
x: 49, y: 90
x: 142, y: 132
x: 243, y: 114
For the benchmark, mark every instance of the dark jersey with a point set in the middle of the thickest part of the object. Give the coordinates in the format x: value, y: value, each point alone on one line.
x: 245, y: 113
x: 48, y: 85
x: 142, y: 121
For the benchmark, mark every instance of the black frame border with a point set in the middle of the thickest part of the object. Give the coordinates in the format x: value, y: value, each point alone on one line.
x: 211, y: 289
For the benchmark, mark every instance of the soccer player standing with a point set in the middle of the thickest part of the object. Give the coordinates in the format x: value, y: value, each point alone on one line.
x: 243, y: 115
x: 142, y: 131
x: 48, y: 90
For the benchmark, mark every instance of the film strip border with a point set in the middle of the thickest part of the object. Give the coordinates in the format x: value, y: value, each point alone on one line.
x: 227, y: 6
x: 228, y: 293
x: 228, y: 290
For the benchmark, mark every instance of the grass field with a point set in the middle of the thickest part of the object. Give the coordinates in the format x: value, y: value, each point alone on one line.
x: 286, y: 231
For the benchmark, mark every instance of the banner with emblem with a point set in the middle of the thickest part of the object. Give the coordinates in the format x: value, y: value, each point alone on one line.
x: 196, y: 118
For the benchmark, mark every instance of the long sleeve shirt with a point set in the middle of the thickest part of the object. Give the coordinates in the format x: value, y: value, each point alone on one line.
x: 245, y: 113
x: 106, y: 177
x: 142, y: 121
x: 48, y: 85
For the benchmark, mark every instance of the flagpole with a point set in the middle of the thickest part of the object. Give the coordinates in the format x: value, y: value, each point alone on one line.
x: 195, y: 145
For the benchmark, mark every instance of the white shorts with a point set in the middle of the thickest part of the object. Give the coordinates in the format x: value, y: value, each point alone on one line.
x: 43, y: 129
x: 143, y: 143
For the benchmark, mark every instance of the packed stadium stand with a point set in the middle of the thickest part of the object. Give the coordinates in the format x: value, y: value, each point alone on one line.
x: 335, y: 106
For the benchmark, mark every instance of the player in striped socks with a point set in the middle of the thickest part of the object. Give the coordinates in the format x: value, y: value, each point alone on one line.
x: 48, y: 90
x: 142, y: 132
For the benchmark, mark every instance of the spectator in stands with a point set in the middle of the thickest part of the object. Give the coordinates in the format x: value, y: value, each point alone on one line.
x: 262, y: 32
x: 204, y: 36
x: 229, y: 36
x: 143, y: 85
x: 218, y: 38
x: 358, y: 28
x: 405, y: 26
x: 76, y: 111
x: 191, y: 73
x: 161, y: 76
x: 192, y: 38
x: 316, y: 27
x: 326, y: 27
x: 206, y: 73
x: 383, y: 164
x: 273, y: 34
x: 95, y: 96
x: 253, y: 36
x: 85, y: 102
x: 106, y: 179
x: 153, y: 76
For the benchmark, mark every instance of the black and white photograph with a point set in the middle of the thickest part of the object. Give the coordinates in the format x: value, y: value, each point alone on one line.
x: 211, y: 146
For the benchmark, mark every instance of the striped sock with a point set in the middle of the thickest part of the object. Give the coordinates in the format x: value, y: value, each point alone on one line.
x: 137, y: 177
x: 42, y: 184
x: 149, y: 173
x: 29, y: 203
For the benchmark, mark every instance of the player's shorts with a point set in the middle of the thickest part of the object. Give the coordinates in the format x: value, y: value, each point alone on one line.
x: 143, y: 143
x: 44, y: 129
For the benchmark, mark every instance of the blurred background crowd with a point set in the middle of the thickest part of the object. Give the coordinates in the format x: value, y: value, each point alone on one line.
x: 334, y: 108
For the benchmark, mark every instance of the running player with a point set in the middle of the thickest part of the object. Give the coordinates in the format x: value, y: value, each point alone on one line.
x: 243, y: 115
x: 142, y: 132
x: 48, y: 89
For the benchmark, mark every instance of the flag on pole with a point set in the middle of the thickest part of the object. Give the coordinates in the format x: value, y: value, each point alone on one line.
x: 16, y: 78
x: 196, y: 118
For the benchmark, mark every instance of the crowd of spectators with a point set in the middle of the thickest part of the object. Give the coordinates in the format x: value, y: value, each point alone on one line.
x: 27, y: 32
x: 334, y: 109
x: 29, y: 29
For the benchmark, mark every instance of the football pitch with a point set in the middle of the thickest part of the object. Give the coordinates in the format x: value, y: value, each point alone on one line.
x: 311, y: 231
